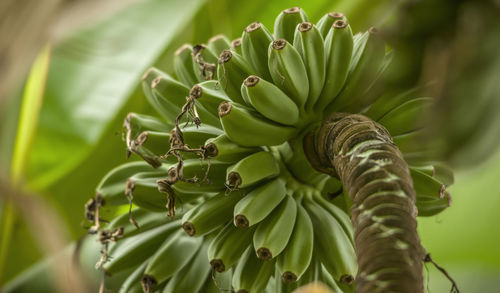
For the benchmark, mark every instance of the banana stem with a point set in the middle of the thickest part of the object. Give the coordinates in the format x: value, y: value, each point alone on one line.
x: 361, y: 153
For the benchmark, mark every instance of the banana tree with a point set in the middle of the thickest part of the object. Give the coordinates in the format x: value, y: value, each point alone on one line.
x: 282, y: 158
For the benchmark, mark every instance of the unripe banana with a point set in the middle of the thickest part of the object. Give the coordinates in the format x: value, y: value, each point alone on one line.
x: 231, y: 71
x: 112, y: 187
x: 334, y: 248
x: 218, y: 282
x: 339, y: 215
x: 272, y: 234
x: 389, y: 101
x: 254, y: 47
x: 288, y: 71
x: 199, y: 176
x: 204, y: 62
x: 354, y: 96
x: 252, y: 169
x: 210, y: 95
x: 131, y: 251
x: 183, y: 65
x: 192, y: 277
x: 330, y: 282
x: 249, y: 128
x: 142, y: 190
x: 236, y: 46
x: 201, y: 219
x: 425, y: 185
x: 196, y: 136
x: 259, y: 203
x: 287, y: 21
x: 444, y: 173
x: 221, y: 148
x: 218, y: 43
x: 133, y: 282
x: 151, y: 146
x: 338, y: 51
x: 296, y: 257
x: 251, y: 274
x: 269, y: 100
x: 138, y: 123
x: 309, y: 43
x: 228, y: 246
x: 169, y: 258
x: 406, y: 117
x: 144, y: 219
x: 326, y: 22
x: 430, y: 206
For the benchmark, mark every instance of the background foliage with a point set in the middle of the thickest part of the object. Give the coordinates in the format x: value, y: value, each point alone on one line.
x: 93, y: 82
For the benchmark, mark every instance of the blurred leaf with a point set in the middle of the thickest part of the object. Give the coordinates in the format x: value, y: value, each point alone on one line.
x: 91, y: 77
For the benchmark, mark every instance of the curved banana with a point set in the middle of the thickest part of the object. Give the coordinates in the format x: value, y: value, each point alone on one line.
x: 221, y: 148
x: 429, y: 206
x: 288, y: 71
x: 259, y: 203
x: 272, y: 234
x: 309, y: 43
x: 251, y: 274
x: 236, y: 46
x: 228, y: 246
x: 198, y: 176
x: 338, y: 50
x: 145, y: 219
x: 204, y: 62
x: 249, y: 128
x: 425, y: 185
x: 389, y: 101
x: 335, y: 249
x: 296, y: 257
x: 252, y: 170
x: 218, y: 43
x: 406, y: 117
x: 209, y: 94
x: 269, y: 100
x: 339, y: 215
x: 325, y: 23
x: 196, y: 136
x: 231, y: 71
x: 169, y: 258
x: 193, y: 275
x: 200, y: 220
x: 287, y: 21
x: 129, y: 252
x: 254, y: 47
x: 183, y: 65
x: 133, y: 282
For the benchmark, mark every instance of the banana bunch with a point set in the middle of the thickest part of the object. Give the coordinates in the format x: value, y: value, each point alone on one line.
x: 225, y: 197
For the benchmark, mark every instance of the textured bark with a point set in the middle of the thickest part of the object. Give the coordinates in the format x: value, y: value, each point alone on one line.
x: 361, y: 153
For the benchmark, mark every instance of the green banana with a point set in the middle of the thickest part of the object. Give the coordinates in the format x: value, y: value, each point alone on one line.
x: 269, y: 100
x: 143, y: 218
x: 231, y: 71
x: 228, y: 246
x: 218, y: 282
x: 288, y: 71
x: 170, y: 258
x: 252, y: 170
x: 325, y: 23
x: 254, y: 48
x: 338, y: 51
x: 138, y: 123
x: 133, y: 282
x: 296, y: 257
x: 426, y: 185
x: 389, y: 101
x: 443, y: 173
x: 309, y: 43
x: 200, y: 220
x: 272, y: 234
x: 251, y: 274
x: 130, y: 252
x: 183, y: 65
x: 204, y: 62
x: 142, y: 190
x: 236, y: 46
x: 196, y: 136
x: 218, y: 43
x: 330, y: 282
x: 287, y: 21
x: 333, y: 245
x: 354, y: 95
x: 249, y: 128
x: 259, y: 203
x: 407, y: 117
x: 340, y: 215
x: 113, y: 184
x: 221, y: 148
x: 430, y: 206
x: 209, y: 94
x: 198, y: 176
x: 192, y: 277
